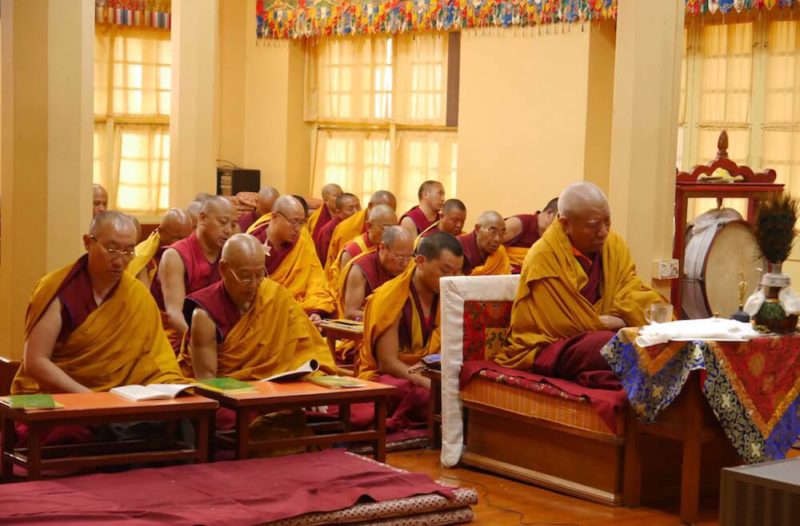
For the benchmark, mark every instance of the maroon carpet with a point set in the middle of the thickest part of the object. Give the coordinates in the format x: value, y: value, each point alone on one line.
x: 223, y: 493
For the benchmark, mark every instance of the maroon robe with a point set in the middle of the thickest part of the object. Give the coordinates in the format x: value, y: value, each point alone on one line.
x: 373, y: 271
x: 418, y: 217
x: 527, y: 236
x: 215, y: 300
x: 322, y: 242
x: 324, y: 218
x: 77, y: 298
x: 406, y: 317
x: 247, y: 219
x: 472, y: 255
x: 578, y: 358
x: 198, y: 272
x: 353, y: 249
x: 276, y: 256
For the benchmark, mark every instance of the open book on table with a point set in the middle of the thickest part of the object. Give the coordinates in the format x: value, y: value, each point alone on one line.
x: 138, y: 393
x: 295, y: 374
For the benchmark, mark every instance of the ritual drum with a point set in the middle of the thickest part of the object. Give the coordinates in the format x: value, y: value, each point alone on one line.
x: 720, y: 248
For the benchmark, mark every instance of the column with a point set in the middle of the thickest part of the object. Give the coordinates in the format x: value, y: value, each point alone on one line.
x: 47, y: 98
x: 644, y: 128
x: 193, y: 120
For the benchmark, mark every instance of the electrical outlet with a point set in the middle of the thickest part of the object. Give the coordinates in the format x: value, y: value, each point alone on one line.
x: 665, y: 269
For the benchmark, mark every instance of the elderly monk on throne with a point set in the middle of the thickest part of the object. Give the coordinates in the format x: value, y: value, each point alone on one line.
x: 192, y: 264
x: 92, y: 326
x: 484, y: 254
x: 577, y: 288
x: 176, y: 225
x: 245, y: 326
x: 350, y: 229
x: 401, y: 327
x: 291, y: 260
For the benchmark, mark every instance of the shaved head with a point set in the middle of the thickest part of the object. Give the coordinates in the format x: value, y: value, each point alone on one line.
x: 176, y: 225
x: 331, y: 190
x: 243, y: 249
x: 113, y: 220
x: 202, y: 196
x: 395, y: 235
x: 580, y: 196
x: 396, y: 250
x: 585, y: 216
x: 99, y: 199
x: 383, y: 197
x: 266, y: 198
x: 216, y: 204
x: 383, y: 214
x: 287, y: 204
x: 489, y: 219
x: 194, y: 210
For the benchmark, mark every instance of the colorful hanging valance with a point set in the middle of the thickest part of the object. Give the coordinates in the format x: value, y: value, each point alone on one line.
x: 702, y: 7
x: 307, y: 18
x: 134, y: 13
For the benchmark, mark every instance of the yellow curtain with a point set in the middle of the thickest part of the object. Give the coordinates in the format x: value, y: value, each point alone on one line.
x: 380, y: 105
x: 132, y: 106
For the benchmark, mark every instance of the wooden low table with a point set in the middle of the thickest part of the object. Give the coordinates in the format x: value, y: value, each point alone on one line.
x: 270, y: 397
x: 101, y: 408
x: 336, y: 330
x: 435, y: 408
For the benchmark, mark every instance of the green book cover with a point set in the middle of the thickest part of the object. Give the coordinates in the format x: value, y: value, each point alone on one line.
x: 335, y: 382
x: 226, y: 384
x: 32, y: 401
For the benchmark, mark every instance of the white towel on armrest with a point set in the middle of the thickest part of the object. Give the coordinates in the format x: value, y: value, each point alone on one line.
x: 705, y: 329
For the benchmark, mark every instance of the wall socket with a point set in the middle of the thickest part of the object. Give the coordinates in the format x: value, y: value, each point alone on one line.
x: 665, y: 269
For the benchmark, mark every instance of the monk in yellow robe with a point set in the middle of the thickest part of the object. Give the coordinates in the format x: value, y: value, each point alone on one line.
x: 291, y: 260
x: 91, y: 326
x: 352, y: 227
x: 248, y: 327
x: 401, y: 327
x: 378, y: 218
x: 452, y: 218
x: 419, y: 218
x: 523, y: 230
x: 176, y: 225
x: 484, y: 255
x: 577, y: 288
x: 192, y: 264
x: 325, y: 213
x: 347, y: 205
x: 99, y: 199
x: 264, y: 201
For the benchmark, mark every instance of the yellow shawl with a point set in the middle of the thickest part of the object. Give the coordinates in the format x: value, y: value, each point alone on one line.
x: 384, y: 307
x: 496, y: 264
x: 273, y: 337
x: 516, y: 255
x: 258, y: 222
x: 344, y: 232
x: 120, y: 343
x: 333, y: 272
x: 549, y: 305
x: 145, y: 251
x: 301, y: 273
x: 341, y: 278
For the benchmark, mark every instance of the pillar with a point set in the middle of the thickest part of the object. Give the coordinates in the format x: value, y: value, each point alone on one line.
x: 47, y: 99
x: 644, y: 128
x: 192, y: 125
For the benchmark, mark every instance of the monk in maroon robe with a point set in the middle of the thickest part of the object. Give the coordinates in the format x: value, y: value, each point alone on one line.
x: 346, y: 206
x: 523, y: 230
x: 266, y: 198
x: 422, y: 216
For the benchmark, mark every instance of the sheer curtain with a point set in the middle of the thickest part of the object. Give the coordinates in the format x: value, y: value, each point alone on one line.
x: 380, y: 105
x: 132, y: 106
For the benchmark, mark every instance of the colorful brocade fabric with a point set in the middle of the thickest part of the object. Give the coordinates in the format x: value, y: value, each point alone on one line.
x: 753, y: 387
x: 485, y: 326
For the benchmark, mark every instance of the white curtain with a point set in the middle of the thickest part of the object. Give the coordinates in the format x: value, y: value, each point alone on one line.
x: 132, y: 106
x: 380, y: 105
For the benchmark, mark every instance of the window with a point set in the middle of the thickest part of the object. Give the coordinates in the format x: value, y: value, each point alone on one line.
x: 380, y: 106
x: 132, y: 106
x: 744, y: 78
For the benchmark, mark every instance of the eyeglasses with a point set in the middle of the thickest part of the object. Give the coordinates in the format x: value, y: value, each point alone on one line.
x: 115, y: 252
x: 296, y: 223
x: 399, y: 257
x: 492, y: 231
x: 250, y: 280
